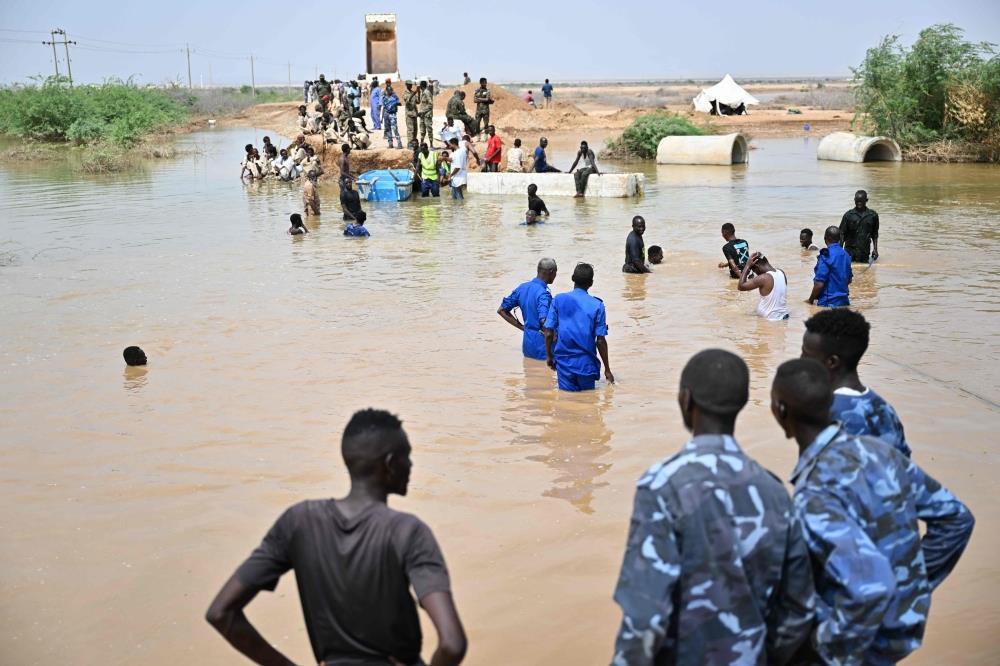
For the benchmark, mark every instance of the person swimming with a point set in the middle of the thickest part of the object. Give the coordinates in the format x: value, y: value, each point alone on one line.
x: 134, y: 356
x: 298, y: 227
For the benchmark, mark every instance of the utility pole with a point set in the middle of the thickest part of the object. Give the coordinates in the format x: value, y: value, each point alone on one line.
x: 187, y: 48
x: 55, y: 58
x: 253, y: 81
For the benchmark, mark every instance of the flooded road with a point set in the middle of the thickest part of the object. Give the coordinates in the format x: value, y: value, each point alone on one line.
x: 130, y: 496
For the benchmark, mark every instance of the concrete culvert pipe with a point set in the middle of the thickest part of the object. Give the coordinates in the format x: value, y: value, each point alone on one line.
x: 725, y: 150
x: 847, y: 147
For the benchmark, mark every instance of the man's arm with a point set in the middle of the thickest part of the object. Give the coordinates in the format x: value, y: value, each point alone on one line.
x: 792, y: 609
x: 551, y: 322
x: 820, y: 276
x: 755, y: 282
x: 875, y: 236
x: 650, y: 569
x: 817, y: 290
x: 506, y: 305
x: 855, y: 575
x: 949, y: 524
x: 602, y: 349
x: 227, y: 616
x: 575, y: 161
x: 452, y: 643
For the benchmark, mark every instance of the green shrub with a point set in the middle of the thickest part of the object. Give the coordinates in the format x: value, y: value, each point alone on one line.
x: 641, y: 138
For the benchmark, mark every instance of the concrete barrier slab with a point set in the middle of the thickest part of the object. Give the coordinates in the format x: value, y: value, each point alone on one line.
x: 609, y: 185
x: 847, y: 147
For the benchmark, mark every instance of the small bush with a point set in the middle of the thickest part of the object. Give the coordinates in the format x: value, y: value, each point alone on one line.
x: 640, y: 139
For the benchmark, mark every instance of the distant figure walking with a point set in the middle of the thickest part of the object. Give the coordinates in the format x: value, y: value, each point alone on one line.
x: 832, y: 275
x: 859, y: 230
x: 588, y: 165
x: 635, y: 248
x: 547, y: 93
x: 772, y: 285
x: 355, y: 561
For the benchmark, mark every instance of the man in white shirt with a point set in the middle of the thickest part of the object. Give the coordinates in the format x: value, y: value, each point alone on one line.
x: 449, y: 131
x: 459, y: 168
x: 515, y: 158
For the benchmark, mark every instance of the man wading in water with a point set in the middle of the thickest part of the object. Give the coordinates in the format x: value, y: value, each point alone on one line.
x: 355, y: 560
x: 635, y: 248
x: 859, y: 230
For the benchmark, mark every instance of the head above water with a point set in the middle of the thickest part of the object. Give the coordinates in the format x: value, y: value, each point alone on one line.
x: 639, y: 224
x: 806, y: 237
x: 583, y: 276
x: 714, y: 387
x: 532, y: 190
x: 860, y: 199
x: 836, y: 338
x: 547, y: 269
x: 655, y: 254
x: 376, y: 451
x: 801, y: 394
x: 728, y: 231
x: 831, y: 235
x: 134, y: 356
x: 296, y: 220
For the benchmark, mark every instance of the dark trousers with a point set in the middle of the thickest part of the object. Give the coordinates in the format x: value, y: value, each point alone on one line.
x: 432, y: 187
x: 581, y: 176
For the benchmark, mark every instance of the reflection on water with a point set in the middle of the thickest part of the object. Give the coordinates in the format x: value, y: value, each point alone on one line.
x: 130, y: 485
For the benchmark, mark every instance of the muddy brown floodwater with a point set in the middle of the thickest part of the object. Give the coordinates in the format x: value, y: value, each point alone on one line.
x: 130, y: 496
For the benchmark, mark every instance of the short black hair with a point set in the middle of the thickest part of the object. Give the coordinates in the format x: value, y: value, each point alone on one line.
x: 807, y: 231
x: 638, y: 218
x: 453, y: 141
x: 843, y: 332
x: 482, y: 79
x: 728, y: 228
x: 832, y: 233
x: 345, y: 148
x: 718, y: 380
x: 583, y: 275
x: 806, y: 389
x: 248, y: 147
x: 295, y: 219
x: 654, y: 249
x: 532, y: 188
x: 517, y: 143
x: 369, y: 436
x: 134, y: 356
x: 861, y: 193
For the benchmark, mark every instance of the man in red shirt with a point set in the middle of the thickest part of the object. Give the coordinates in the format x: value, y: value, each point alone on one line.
x: 493, y: 144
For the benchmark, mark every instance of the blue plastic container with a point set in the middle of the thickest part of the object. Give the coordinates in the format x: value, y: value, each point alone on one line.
x: 386, y: 185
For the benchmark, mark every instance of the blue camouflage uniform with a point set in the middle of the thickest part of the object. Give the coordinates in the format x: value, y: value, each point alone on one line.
x: 533, y: 298
x: 859, y: 501
x: 577, y: 319
x: 869, y: 414
x: 716, y: 569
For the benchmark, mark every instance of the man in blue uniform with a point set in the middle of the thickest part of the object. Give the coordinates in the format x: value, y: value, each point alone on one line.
x: 533, y: 298
x: 832, y: 274
x: 716, y: 568
x: 838, y: 338
x: 575, y: 331
x: 860, y: 502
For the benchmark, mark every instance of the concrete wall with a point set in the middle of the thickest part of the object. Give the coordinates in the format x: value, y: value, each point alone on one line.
x: 557, y: 184
x: 847, y: 147
x: 724, y: 150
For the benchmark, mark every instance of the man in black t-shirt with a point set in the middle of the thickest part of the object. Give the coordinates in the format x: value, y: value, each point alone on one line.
x: 859, y: 230
x: 635, y: 248
x: 535, y: 203
x: 736, y: 250
x: 355, y: 560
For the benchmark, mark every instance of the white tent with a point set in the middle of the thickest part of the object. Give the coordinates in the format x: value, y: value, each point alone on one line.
x: 726, y: 92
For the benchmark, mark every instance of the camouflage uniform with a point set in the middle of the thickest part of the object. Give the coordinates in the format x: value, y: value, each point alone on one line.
x: 456, y: 110
x: 869, y: 414
x: 859, y: 501
x: 410, y: 100
x: 482, y: 99
x: 425, y: 111
x: 716, y: 570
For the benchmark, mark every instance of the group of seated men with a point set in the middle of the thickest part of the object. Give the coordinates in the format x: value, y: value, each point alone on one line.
x: 285, y: 164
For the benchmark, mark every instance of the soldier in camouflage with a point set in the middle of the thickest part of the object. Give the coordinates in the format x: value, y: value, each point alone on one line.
x: 838, y: 338
x: 410, y: 100
x: 859, y: 501
x: 483, y: 99
x: 716, y: 570
x: 456, y: 110
x: 425, y: 112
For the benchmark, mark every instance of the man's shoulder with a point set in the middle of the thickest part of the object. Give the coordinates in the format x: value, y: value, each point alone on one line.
x: 711, y: 470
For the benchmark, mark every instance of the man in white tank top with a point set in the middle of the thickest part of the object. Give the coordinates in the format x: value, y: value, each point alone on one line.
x: 772, y: 284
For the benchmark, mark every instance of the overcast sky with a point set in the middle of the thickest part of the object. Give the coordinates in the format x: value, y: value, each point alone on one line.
x: 516, y: 40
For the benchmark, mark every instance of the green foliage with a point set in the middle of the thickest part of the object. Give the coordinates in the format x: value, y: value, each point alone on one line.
x: 641, y: 138
x: 939, y: 89
x: 117, y: 112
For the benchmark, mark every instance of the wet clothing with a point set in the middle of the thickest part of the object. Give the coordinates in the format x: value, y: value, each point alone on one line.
x: 716, y: 569
x: 578, y: 319
x: 351, y: 200
x: 536, y: 204
x: 860, y: 500
x: 354, y: 577
x: 533, y: 298
x: 356, y: 230
x: 635, y: 253
x: 857, y: 230
x: 868, y: 413
x: 429, y: 177
x: 310, y: 198
x: 833, y: 269
x: 737, y: 250
x: 459, y: 163
x: 774, y: 306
